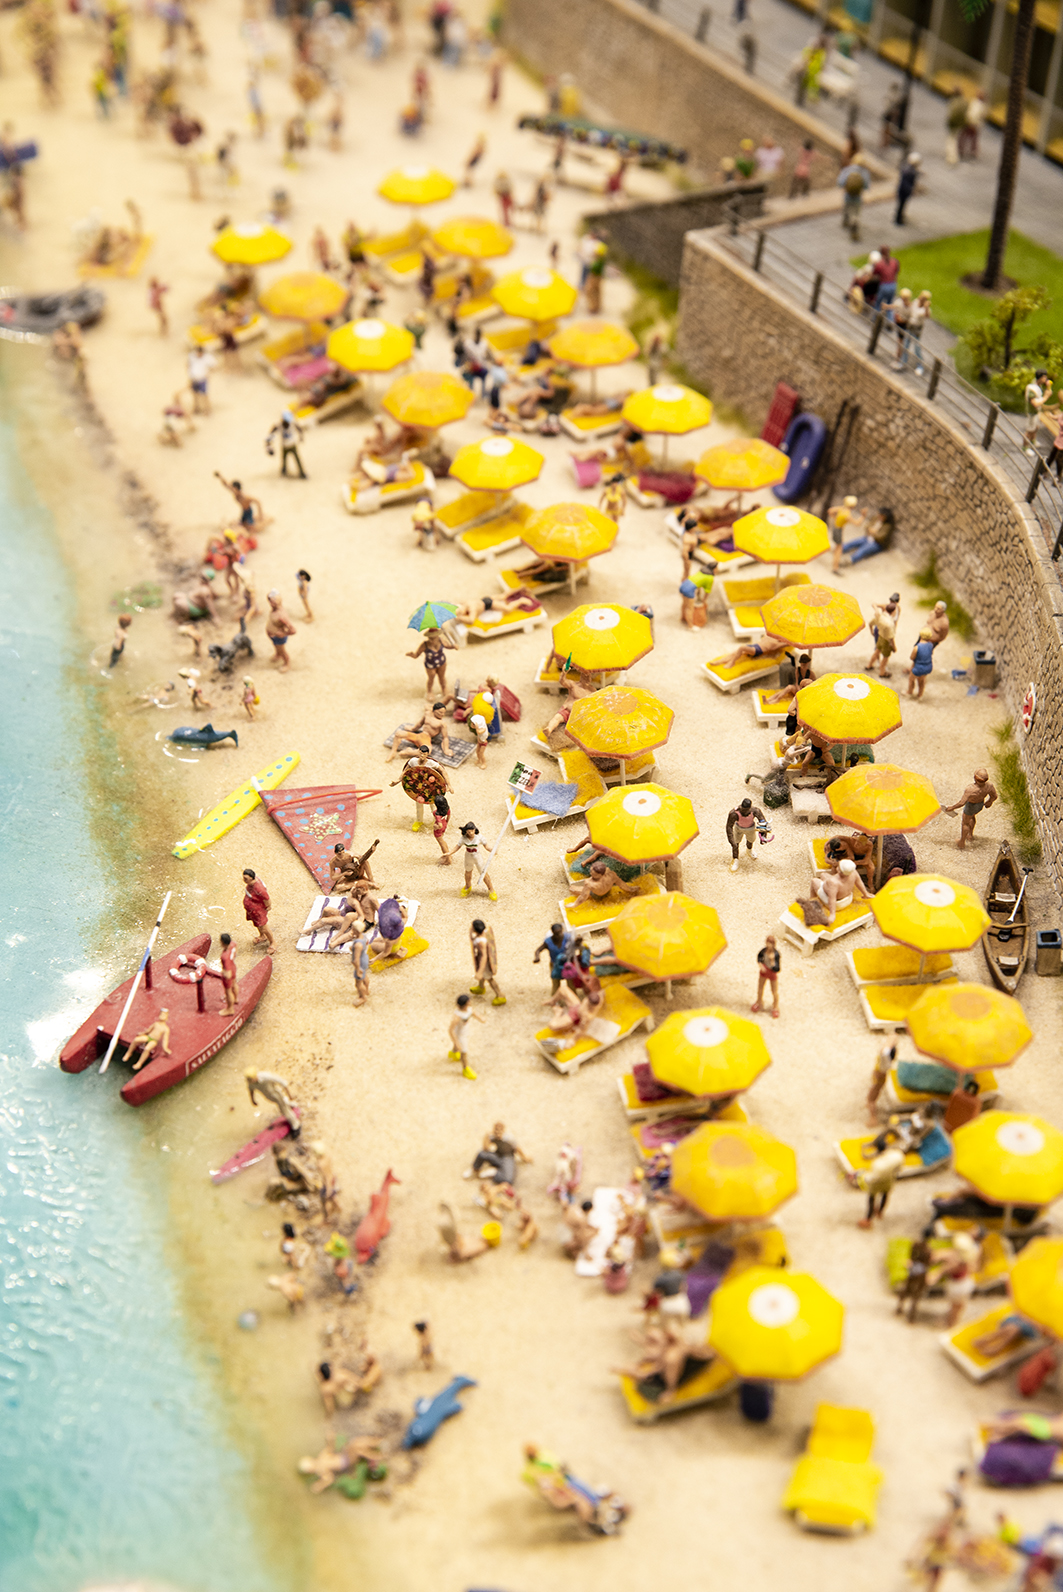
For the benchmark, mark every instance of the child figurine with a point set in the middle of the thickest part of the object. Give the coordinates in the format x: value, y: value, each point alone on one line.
x: 459, y: 1024
x: 302, y: 582
x: 768, y: 964
x: 196, y: 699
x: 249, y: 697
x: 426, y: 526
x: 484, y: 961
x: 425, y: 1348
x: 470, y: 839
x: 228, y: 974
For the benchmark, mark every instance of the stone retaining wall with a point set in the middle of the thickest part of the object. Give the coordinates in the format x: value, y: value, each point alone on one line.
x: 644, y: 74
x: 739, y: 336
x: 652, y: 234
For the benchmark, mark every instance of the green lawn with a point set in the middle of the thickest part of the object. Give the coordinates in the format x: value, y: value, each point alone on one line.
x: 940, y: 265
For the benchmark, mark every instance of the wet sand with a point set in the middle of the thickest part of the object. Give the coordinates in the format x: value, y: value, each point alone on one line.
x: 704, y: 1487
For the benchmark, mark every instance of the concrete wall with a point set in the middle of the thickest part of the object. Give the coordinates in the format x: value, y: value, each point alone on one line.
x: 644, y: 74
x: 652, y: 234
x: 739, y: 335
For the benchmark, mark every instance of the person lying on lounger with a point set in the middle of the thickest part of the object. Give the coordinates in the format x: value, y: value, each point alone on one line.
x: 520, y: 600
x: 370, y: 472
x: 598, y: 884
x: 767, y: 648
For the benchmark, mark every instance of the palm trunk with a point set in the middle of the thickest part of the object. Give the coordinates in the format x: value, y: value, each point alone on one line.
x: 1012, y: 147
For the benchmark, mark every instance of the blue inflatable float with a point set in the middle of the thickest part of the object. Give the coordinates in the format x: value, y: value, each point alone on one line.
x: 803, y: 445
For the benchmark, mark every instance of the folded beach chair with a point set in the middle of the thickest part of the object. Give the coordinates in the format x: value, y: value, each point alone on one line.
x: 959, y: 1346
x: 703, y: 1382
x: 470, y: 509
x: 856, y: 1155
x: 834, y: 1486
x: 888, y: 964
x: 621, y: 1014
x: 497, y: 535
x: 731, y: 679
x: 596, y: 914
x: 368, y: 499
x: 806, y: 937
x: 588, y: 428
x: 886, y: 1006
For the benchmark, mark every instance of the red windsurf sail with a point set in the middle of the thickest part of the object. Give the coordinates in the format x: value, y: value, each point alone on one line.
x: 316, y: 820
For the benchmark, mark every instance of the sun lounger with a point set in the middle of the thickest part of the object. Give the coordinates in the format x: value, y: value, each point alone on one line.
x: 309, y: 414
x: 998, y: 1257
x: 856, y: 1155
x: 129, y: 266
x: 713, y: 1380
x: 207, y: 339
x: 497, y: 535
x: 959, y: 1346
x: 888, y: 964
x: 469, y: 510
x: 540, y: 743
x: 588, y: 428
x: 761, y: 589
x: 410, y: 945
x: 595, y: 914
x: 391, y: 243
x: 705, y: 552
x: 886, y: 1006
x: 732, y: 678
x: 450, y: 279
x: 669, y: 1105
x: 505, y: 624
x: 834, y: 1486
x: 475, y: 311
x: 648, y: 499
x: 510, y: 579
x: 281, y: 353
x: 621, y: 1013
x: 683, y: 1229
x: 580, y: 779
x: 746, y: 621
x: 515, y: 339
x: 811, y: 805
x: 362, y: 499
x: 855, y: 916
x: 765, y: 712
x: 902, y: 1097
x: 548, y: 675
x: 321, y: 940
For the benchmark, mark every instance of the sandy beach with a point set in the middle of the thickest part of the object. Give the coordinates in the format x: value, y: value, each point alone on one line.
x: 704, y: 1487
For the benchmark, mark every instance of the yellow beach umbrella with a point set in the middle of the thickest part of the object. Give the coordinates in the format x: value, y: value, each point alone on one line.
x: 472, y: 238
x: 304, y: 296
x: 428, y: 398
x: 667, y: 936
x: 668, y: 409
x: 969, y: 1026
x: 369, y: 345
x: 642, y: 823
x: 848, y: 708
x: 733, y: 1171
x: 250, y: 245
x: 930, y: 913
x: 708, y: 1052
x: 1010, y: 1158
x: 882, y: 799
x: 773, y: 1326
x: 535, y: 294
x: 416, y: 186
x: 569, y: 533
x: 813, y: 616
x: 743, y: 465
x: 781, y: 536
x: 498, y: 464
x: 620, y: 722
x: 1036, y: 1284
x: 602, y: 637
x: 591, y: 344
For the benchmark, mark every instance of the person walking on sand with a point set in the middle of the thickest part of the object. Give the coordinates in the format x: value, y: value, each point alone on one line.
x: 853, y: 180
x: 504, y: 195
x: 458, y: 1031
x: 978, y: 797
x: 278, y: 628
x: 289, y: 434
x: 156, y: 293
x: 768, y: 964
x: 272, y: 1087
x: 256, y: 908
x: 200, y: 365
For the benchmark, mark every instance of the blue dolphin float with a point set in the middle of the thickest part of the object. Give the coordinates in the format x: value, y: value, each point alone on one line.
x: 202, y: 735
x: 429, y: 1414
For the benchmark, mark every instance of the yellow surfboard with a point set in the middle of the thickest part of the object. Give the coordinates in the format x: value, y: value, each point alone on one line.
x: 237, y: 805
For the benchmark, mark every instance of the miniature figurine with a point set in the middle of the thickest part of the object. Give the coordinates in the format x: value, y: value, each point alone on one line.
x: 665, y: 1354
x: 230, y: 987
x: 496, y: 1160
x: 295, y: 1250
x: 432, y: 725
x: 291, y: 1289
x: 568, y: 1174
x: 601, y: 881
x: 527, y: 1227
x: 768, y: 964
x: 289, y: 434
x: 196, y: 699
x: 978, y: 797
x: 878, y: 1179
x: 391, y: 924
x: 768, y: 648
x: 484, y: 961
x: 556, y: 945
x: 156, y: 294
x: 613, y: 499
x: 838, y: 890
x: 838, y: 517
x: 426, y: 525
x: 249, y: 697
x: 339, y: 1252
x: 200, y: 364
x: 276, y: 1090
x: 256, y: 908
x: 278, y: 628
x: 153, y: 1038
x: 118, y: 640
x: 459, y: 1024
x: 694, y: 608
x: 440, y: 820
x: 360, y: 965
x: 922, y: 656
x: 959, y: 1274
x: 601, y: 1511
x: 470, y: 841
x: 251, y: 514
x: 361, y: 1455
x: 883, y: 1063
x: 423, y: 779
x: 581, y: 1229
x: 375, y: 1227
x: 302, y: 583
x: 425, y: 1350
x: 884, y: 630
x: 339, y: 1387
x: 429, y: 1414
x: 938, y: 623
x: 743, y: 819
x: 916, y: 1281
x: 458, y: 1248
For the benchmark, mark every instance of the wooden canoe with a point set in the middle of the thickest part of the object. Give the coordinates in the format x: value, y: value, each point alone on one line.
x: 195, y: 1036
x: 1006, y: 944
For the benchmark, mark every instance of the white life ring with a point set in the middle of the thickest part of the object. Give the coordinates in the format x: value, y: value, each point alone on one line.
x: 187, y: 972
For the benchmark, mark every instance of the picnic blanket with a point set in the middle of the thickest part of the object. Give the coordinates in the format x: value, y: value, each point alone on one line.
x: 460, y: 749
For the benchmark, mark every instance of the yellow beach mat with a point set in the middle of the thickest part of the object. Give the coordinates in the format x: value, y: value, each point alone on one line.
x: 411, y: 943
x: 960, y: 1346
x: 888, y: 1005
x: 846, y: 917
x: 576, y: 768
x: 620, y: 1008
x: 367, y: 499
x: 760, y: 590
x: 497, y: 535
x: 471, y: 508
x: 593, y: 913
x: 891, y: 964
x: 736, y: 674
x: 394, y: 242
x: 130, y: 267
x: 834, y: 1495
x: 521, y: 619
x: 584, y: 428
x: 236, y: 805
x: 772, y: 712
x: 856, y: 1155
x: 746, y: 620
x: 714, y: 1381
x: 548, y: 673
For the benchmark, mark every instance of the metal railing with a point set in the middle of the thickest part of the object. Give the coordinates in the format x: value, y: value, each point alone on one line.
x: 999, y: 433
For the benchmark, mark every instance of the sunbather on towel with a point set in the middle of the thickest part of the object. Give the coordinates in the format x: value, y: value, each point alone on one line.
x: 371, y: 472
x: 520, y: 600
x: 1026, y: 1423
x: 600, y: 881
x: 601, y: 409
x: 432, y: 723
x: 766, y: 649
x: 1010, y: 1334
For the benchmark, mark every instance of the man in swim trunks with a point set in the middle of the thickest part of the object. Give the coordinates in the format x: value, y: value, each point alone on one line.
x: 978, y: 796
x: 278, y: 628
x: 256, y: 908
x: 150, y: 1040
x: 839, y: 889
x: 433, y: 722
x: 250, y: 508
x: 767, y: 649
x: 346, y: 869
x: 599, y: 882
x: 272, y: 1087
x: 556, y: 945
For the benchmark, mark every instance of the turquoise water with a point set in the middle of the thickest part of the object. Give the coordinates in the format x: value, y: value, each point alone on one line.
x: 112, y: 1463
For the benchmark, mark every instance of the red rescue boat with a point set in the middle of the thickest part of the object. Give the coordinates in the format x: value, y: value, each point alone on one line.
x: 198, y: 1025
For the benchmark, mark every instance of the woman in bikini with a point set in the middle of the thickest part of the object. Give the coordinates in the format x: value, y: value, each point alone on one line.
x: 435, y: 661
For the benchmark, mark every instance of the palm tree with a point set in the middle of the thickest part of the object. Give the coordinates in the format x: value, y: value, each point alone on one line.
x: 1008, y: 170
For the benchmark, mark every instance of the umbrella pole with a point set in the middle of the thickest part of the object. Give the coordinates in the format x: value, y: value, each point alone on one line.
x: 922, y: 964
x: 878, y: 866
x: 572, y: 579
x: 778, y: 576
x: 623, y: 771
x: 664, y: 450
x: 594, y: 385
x: 668, y: 988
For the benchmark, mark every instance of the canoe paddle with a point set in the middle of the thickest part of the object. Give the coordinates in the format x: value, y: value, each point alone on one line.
x: 136, y: 982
